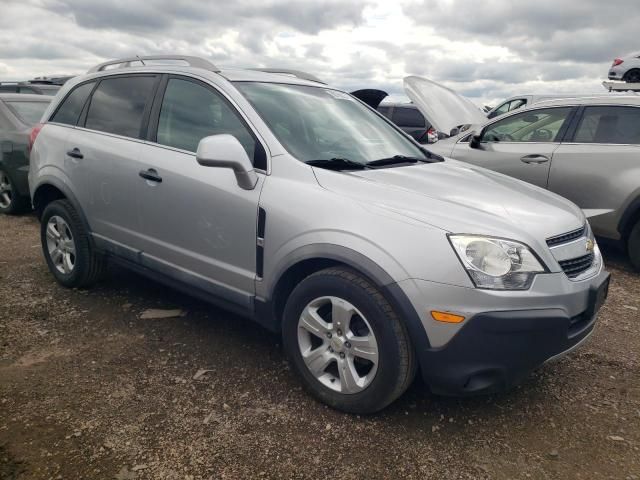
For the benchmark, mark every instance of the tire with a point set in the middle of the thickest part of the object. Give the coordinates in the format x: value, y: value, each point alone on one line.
x: 67, y: 248
x: 632, y: 76
x: 633, y: 246
x: 11, y: 203
x: 382, y: 365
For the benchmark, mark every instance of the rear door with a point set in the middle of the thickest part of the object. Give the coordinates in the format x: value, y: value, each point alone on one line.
x: 102, y: 157
x: 198, y: 223
x: 521, y: 145
x: 598, y: 167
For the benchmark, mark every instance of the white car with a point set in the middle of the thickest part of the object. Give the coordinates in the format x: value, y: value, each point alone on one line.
x: 626, y: 68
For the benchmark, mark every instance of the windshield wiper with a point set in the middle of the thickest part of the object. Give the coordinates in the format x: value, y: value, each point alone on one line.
x: 337, y: 164
x: 396, y: 159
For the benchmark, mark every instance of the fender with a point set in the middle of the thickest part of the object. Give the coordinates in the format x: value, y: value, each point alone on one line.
x: 264, y: 308
x: 66, y: 191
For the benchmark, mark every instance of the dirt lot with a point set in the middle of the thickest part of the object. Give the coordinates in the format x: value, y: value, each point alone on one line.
x: 90, y: 390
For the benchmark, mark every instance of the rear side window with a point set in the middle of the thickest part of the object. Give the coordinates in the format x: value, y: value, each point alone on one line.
x: 69, y: 110
x: 29, y: 113
x: 191, y: 111
x: 386, y: 111
x: 118, y: 104
x: 609, y: 125
x: 408, y: 117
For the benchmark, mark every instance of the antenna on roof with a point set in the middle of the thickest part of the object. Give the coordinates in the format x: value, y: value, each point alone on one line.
x: 141, y: 61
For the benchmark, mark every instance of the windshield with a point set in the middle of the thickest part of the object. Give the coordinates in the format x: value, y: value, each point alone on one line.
x: 315, y: 123
x: 29, y: 113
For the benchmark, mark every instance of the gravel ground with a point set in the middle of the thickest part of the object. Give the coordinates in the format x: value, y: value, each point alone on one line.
x: 88, y: 389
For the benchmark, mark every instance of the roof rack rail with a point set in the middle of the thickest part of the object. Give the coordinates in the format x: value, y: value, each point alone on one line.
x: 196, y: 62
x: 292, y: 73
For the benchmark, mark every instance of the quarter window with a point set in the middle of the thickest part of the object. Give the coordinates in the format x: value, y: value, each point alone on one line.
x: 542, y: 125
x: 118, y: 105
x: 609, y: 125
x: 70, y: 108
x: 191, y: 111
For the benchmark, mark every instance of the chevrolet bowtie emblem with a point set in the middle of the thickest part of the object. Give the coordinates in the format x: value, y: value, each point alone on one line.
x: 590, y: 245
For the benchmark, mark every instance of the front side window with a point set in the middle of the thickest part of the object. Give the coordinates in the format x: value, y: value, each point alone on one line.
x: 408, y: 117
x: 315, y: 123
x: 29, y: 113
x: 118, y: 104
x: 191, y: 111
x: 69, y: 111
x: 532, y: 126
x: 609, y: 125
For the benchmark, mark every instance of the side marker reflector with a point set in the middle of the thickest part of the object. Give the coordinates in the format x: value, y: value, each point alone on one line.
x: 446, y: 317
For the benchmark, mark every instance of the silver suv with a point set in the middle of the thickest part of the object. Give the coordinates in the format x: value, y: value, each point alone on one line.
x: 297, y: 205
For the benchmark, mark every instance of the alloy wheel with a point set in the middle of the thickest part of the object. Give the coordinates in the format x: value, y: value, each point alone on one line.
x: 60, y: 245
x: 338, y: 345
x: 6, y: 190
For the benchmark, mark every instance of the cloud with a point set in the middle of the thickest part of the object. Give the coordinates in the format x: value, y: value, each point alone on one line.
x: 488, y: 49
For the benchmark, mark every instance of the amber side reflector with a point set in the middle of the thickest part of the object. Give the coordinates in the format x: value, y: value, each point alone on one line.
x: 446, y: 317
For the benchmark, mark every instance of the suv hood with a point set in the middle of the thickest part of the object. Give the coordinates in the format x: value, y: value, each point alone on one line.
x: 459, y: 198
x: 442, y: 106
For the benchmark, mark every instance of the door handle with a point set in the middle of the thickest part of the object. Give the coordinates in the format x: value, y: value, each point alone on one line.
x: 535, y: 159
x: 75, y: 153
x: 151, y: 175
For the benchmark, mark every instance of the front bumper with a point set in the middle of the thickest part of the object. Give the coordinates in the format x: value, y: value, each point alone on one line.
x: 493, y: 350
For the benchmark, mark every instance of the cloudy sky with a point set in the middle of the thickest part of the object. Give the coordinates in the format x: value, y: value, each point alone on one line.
x: 485, y: 49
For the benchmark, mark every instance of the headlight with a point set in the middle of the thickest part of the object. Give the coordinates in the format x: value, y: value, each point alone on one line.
x: 496, y: 263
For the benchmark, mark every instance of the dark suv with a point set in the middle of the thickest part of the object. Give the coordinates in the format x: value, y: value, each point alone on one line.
x: 410, y: 120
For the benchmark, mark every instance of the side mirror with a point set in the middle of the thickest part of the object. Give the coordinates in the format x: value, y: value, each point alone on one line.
x: 225, y: 151
x: 474, y: 141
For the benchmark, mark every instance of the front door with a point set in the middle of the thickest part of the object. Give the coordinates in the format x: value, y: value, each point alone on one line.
x: 521, y: 145
x: 197, y: 222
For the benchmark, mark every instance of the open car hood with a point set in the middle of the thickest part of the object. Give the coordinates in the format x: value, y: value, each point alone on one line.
x: 370, y: 96
x: 444, y: 108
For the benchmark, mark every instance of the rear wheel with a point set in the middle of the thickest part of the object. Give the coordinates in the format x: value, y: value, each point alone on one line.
x: 10, y: 201
x: 633, y: 245
x: 67, y: 248
x: 632, y: 76
x: 346, y: 342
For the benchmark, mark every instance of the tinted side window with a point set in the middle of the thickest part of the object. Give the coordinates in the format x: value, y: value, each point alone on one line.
x: 386, y: 111
x: 516, y: 104
x: 530, y: 126
x: 609, y: 125
x: 191, y: 111
x: 118, y: 105
x: 408, y: 117
x: 69, y: 111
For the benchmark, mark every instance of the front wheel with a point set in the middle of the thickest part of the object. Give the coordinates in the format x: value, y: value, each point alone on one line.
x: 346, y: 343
x: 633, y: 246
x: 66, y: 246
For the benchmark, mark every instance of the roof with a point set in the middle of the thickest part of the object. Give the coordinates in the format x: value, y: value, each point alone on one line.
x: 25, y: 97
x: 595, y: 100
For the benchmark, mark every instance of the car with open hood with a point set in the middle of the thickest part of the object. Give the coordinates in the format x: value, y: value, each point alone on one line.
x: 295, y: 204
x: 586, y: 149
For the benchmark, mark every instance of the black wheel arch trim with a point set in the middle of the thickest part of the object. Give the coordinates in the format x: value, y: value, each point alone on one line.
x: 631, y: 213
x: 66, y: 191
x: 264, y: 308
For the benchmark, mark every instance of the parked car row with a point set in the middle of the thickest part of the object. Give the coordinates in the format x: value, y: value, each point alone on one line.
x: 297, y: 205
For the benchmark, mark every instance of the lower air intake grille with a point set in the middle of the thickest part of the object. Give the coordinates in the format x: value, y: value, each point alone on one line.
x: 578, y: 265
